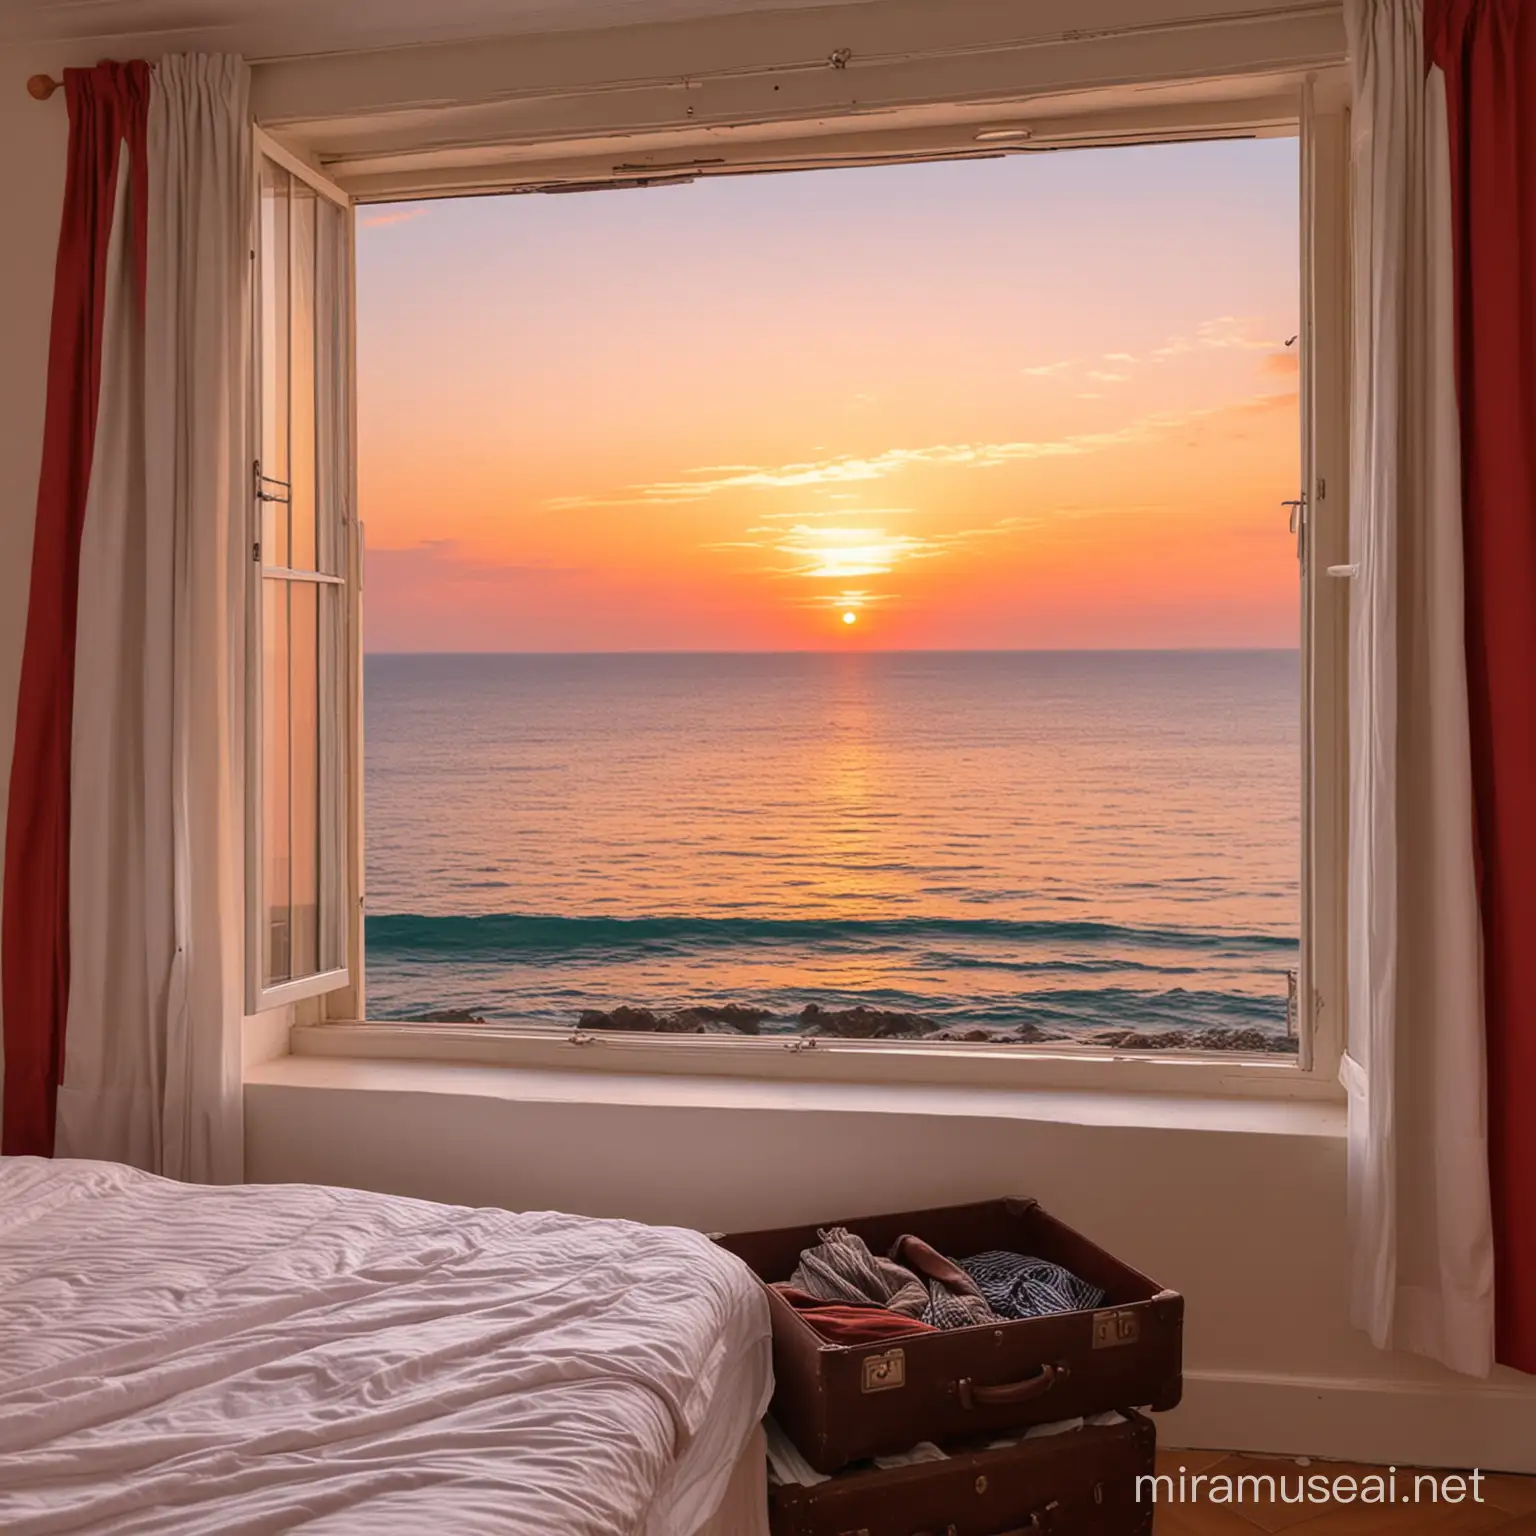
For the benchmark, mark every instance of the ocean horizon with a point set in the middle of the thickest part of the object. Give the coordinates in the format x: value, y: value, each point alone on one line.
x: 845, y: 650
x: 1019, y: 842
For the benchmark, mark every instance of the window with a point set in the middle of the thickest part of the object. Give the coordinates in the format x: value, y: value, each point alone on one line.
x: 604, y: 808
x: 301, y: 609
x: 663, y: 733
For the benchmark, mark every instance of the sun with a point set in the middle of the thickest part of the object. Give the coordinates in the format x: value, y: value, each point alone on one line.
x: 850, y: 618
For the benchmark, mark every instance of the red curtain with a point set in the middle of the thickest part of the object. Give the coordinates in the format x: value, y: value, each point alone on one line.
x: 108, y: 108
x: 1487, y: 50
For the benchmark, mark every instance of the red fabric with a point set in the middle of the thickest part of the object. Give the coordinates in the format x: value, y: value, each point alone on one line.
x: 851, y: 1322
x: 1487, y: 49
x: 107, y: 105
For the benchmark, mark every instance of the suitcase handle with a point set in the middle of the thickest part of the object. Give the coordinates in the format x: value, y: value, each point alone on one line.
x: 1010, y: 1392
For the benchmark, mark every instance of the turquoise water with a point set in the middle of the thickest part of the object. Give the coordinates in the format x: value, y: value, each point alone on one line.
x: 1072, y: 840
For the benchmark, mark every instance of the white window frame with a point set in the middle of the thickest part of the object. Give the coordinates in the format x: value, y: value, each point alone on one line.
x: 1312, y: 1073
x: 1325, y: 399
x: 338, y: 986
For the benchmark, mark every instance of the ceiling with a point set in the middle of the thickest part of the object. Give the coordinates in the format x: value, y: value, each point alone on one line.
x: 266, y: 29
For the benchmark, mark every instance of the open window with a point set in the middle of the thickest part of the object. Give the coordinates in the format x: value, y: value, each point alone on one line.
x: 443, y: 958
x: 302, y: 619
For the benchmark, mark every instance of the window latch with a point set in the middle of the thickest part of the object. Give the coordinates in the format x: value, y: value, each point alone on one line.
x: 268, y: 487
x: 1298, y: 524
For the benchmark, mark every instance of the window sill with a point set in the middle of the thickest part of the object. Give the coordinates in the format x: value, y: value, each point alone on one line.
x: 1187, y: 1094
x: 805, y: 1059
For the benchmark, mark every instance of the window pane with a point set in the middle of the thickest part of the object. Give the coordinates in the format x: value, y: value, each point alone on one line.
x: 332, y: 423
x: 334, y: 695
x: 302, y: 414
x: 304, y: 727
x: 277, y: 962
x: 300, y: 744
x: 274, y: 355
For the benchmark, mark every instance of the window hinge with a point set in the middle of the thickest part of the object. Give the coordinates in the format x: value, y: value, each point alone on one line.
x: 256, y: 551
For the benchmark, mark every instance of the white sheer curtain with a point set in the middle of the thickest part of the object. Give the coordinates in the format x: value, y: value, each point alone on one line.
x: 1419, y: 1213
x: 152, y: 1073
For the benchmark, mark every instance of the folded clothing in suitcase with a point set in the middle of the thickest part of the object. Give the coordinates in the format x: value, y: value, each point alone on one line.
x: 842, y: 1402
x: 1083, y: 1482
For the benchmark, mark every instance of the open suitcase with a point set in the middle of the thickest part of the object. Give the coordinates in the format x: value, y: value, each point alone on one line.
x: 843, y: 1403
x: 1083, y: 1482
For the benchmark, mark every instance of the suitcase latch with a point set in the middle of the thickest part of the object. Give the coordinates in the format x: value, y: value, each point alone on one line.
x: 885, y: 1372
x: 1122, y: 1326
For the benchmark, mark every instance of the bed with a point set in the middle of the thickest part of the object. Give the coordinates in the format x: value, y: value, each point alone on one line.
x: 181, y: 1359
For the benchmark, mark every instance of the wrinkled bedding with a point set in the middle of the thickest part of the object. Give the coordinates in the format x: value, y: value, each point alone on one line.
x: 179, y: 1359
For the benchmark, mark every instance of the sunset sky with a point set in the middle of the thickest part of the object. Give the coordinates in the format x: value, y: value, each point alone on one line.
x: 1041, y: 401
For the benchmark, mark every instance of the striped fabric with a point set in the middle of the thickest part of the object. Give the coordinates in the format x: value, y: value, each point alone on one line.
x: 841, y: 1269
x: 1017, y: 1286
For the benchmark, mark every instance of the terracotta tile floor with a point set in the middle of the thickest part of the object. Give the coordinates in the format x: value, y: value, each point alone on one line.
x: 1508, y: 1506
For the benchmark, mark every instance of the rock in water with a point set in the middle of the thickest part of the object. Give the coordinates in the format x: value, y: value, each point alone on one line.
x: 1112, y: 1037
x: 1231, y: 1040
x: 727, y: 1018
x: 709, y: 1019
x: 1214, y: 1038
x: 639, y: 1020
x: 863, y: 1023
x: 994, y: 1034
x: 1169, y: 1040
x: 1027, y: 1034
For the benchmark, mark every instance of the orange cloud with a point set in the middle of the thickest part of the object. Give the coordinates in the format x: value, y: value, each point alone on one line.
x: 712, y: 480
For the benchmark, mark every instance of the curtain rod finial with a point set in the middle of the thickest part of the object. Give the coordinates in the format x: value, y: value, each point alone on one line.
x: 41, y: 87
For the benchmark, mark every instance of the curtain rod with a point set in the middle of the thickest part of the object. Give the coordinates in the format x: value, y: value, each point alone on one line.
x: 41, y: 87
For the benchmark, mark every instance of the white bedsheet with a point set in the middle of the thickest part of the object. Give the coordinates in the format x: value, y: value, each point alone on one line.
x: 177, y: 1359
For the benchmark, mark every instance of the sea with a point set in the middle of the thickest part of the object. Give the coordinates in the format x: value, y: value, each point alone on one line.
x: 1074, y: 840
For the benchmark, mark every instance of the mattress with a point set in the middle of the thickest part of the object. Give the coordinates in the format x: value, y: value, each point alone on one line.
x: 181, y: 1359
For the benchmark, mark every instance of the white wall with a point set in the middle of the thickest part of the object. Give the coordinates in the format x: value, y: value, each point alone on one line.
x: 1250, y: 1227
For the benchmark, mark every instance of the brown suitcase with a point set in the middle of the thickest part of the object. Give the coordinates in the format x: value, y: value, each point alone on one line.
x: 1080, y: 1483
x: 842, y: 1403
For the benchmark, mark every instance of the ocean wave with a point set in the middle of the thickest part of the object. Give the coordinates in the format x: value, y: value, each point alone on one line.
x: 502, y: 934
x: 1073, y: 1012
